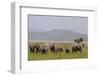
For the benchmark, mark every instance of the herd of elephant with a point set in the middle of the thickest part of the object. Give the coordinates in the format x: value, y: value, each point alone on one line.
x: 43, y: 50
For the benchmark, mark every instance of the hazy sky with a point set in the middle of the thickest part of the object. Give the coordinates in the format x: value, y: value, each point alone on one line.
x: 46, y: 23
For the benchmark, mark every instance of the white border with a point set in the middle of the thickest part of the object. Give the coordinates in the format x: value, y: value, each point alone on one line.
x: 19, y: 39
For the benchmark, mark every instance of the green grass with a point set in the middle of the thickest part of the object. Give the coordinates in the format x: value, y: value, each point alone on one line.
x: 53, y: 56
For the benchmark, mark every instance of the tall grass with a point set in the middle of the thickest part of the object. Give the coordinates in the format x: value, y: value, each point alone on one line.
x: 62, y: 55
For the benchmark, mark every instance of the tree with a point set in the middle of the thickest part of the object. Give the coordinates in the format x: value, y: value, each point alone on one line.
x: 78, y: 40
x: 81, y: 39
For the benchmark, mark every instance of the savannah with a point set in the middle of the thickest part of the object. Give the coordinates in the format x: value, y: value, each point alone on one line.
x: 57, y: 50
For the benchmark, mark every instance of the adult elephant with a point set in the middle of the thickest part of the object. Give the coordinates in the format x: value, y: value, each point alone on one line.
x: 77, y: 48
x: 37, y: 48
x: 32, y: 49
x: 53, y: 48
x: 59, y: 50
x: 43, y: 50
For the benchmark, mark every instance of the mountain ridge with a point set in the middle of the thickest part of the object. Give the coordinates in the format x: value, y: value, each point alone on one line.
x: 56, y: 35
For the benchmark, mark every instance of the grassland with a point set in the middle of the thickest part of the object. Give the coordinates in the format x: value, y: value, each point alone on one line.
x: 63, y: 55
